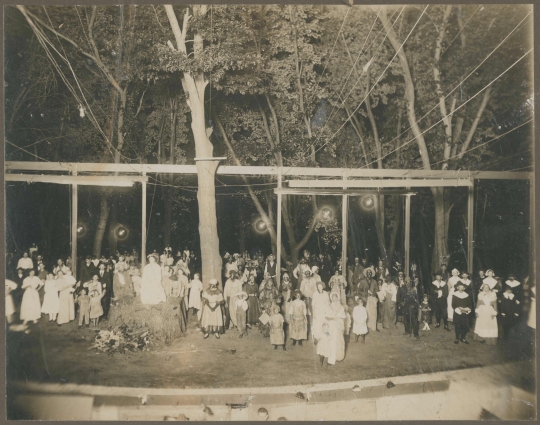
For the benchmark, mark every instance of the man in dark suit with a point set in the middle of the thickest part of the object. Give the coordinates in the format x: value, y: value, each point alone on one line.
x: 106, y: 281
x: 87, y: 270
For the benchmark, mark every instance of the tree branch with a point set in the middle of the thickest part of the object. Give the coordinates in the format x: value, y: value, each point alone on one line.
x: 472, y: 130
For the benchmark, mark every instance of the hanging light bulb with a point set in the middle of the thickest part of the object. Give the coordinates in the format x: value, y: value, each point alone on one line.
x: 81, y: 111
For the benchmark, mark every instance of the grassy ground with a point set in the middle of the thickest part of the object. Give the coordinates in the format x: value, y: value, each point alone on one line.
x: 52, y: 353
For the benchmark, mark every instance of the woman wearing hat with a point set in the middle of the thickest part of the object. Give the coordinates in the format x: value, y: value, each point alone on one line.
x: 241, y: 306
x: 333, y: 347
x: 277, y: 335
x: 486, y: 329
x: 462, y: 306
x: 490, y: 280
x: 268, y: 298
x: 297, y: 319
x: 338, y: 284
x: 320, y: 302
x: 389, y: 290
x: 152, y: 291
x: 252, y: 291
x: 517, y: 287
x: 212, y: 316
x: 439, y: 300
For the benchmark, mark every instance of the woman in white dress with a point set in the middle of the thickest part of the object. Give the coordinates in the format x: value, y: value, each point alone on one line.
x: 320, y: 303
x: 486, y: 329
x: 151, y: 290
x: 333, y: 346
x: 195, y: 289
x: 51, y: 303
x: 30, y: 306
x: 10, y: 306
x: 490, y: 280
x: 452, y: 281
x: 66, y: 312
x: 212, y: 315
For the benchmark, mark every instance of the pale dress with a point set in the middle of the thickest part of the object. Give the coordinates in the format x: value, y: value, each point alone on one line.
x: 151, y: 290
x: 30, y: 306
x: 320, y: 302
x: 360, y: 320
x: 531, y: 321
x: 297, y: 320
x: 51, y: 303
x: 212, y: 321
x: 277, y: 335
x: 10, y: 306
x: 486, y: 322
x: 66, y: 312
x: 333, y: 346
x: 196, y: 288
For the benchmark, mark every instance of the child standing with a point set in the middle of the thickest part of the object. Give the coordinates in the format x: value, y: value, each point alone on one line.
x: 426, y: 312
x: 96, y: 311
x: 10, y: 306
x: 277, y: 335
x: 195, y: 289
x: 51, y: 303
x: 360, y: 320
x: 84, y: 307
x: 509, y: 308
x: 241, y: 307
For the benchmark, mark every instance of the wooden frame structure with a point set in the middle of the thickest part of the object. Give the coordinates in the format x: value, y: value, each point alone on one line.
x: 338, y: 181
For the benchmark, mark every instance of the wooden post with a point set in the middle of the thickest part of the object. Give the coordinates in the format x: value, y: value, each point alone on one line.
x: 344, y: 233
x: 74, y: 216
x: 470, y: 230
x: 143, y: 238
x: 344, y: 226
x: 278, y: 236
x: 532, y: 231
x: 407, y: 233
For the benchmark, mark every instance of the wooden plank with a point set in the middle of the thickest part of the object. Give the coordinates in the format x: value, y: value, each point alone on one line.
x: 79, y: 180
x: 340, y: 192
x: 380, y: 183
x: 267, y: 170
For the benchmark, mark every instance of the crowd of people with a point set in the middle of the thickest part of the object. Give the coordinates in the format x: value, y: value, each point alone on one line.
x: 313, y: 299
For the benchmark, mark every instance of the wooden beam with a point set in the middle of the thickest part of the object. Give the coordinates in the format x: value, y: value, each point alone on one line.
x: 78, y: 180
x: 264, y: 170
x: 381, y: 183
x: 470, y: 231
x: 340, y: 192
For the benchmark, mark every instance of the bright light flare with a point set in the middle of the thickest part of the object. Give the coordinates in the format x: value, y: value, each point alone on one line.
x: 121, y: 232
x: 367, y: 202
x: 260, y: 226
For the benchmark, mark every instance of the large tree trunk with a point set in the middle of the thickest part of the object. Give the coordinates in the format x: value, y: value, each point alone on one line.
x: 102, y: 224
x: 393, y: 235
x: 194, y: 86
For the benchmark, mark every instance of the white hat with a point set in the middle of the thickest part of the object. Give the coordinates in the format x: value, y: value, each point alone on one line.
x: 213, y: 282
x: 314, y: 269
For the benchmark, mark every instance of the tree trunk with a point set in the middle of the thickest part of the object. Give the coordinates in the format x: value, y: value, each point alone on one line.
x: 102, y: 224
x: 194, y: 86
x: 242, y: 228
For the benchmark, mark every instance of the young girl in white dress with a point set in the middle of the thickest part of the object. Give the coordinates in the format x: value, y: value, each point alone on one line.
x: 195, y: 289
x: 10, y: 306
x: 360, y: 320
x: 51, y: 303
x: 30, y: 306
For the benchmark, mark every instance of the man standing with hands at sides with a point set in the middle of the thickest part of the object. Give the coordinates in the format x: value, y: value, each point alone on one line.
x: 410, y: 306
x: 439, y: 295
x: 271, y: 268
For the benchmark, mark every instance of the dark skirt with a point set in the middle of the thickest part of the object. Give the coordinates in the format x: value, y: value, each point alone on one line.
x: 253, y: 312
x: 182, y: 315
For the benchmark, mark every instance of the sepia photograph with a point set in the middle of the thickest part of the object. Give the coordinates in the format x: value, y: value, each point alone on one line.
x: 269, y: 212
